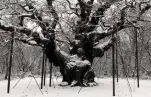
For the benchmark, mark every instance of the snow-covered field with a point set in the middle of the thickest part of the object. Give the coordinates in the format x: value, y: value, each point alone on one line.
x: 104, y: 89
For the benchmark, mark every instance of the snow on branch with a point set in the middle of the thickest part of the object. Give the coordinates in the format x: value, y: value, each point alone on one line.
x: 33, y: 37
x: 99, y: 49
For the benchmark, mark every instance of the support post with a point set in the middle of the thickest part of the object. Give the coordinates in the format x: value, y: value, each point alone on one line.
x: 7, y: 63
x: 113, y: 66
x: 42, y: 70
x: 50, y: 74
x: 136, y: 57
x: 45, y: 64
x: 10, y: 61
x: 117, y: 60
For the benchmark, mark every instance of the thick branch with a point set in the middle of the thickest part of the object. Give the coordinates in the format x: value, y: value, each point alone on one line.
x: 54, y: 14
x: 85, y: 9
x: 29, y: 42
x: 31, y: 13
x: 32, y: 36
x: 119, y: 25
x: 31, y: 8
x: 81, y: 24
x: 75, y: 10
x: 98, y: 51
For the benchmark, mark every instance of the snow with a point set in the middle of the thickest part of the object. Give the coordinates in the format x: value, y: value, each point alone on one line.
x: 104, y: 89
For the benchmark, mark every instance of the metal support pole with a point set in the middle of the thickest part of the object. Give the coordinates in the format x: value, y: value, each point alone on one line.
x: 117, y: 60
x: 50, y: 74
x: 10, y: 61
x: 113, y: 66
x: 136, y: 57
x: 45, y: 64
x: 42, y: 71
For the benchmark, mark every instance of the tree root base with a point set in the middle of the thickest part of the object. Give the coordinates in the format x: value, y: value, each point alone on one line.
x: 75, y: 83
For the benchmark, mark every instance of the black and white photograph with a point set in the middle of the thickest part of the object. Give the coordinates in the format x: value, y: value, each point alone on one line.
x: 75, y: 48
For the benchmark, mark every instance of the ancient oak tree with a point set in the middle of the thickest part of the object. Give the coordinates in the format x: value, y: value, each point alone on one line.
x: 75, y: 65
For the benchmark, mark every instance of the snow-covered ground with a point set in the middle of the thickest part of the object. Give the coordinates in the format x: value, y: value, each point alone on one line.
x: 104, y: 89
